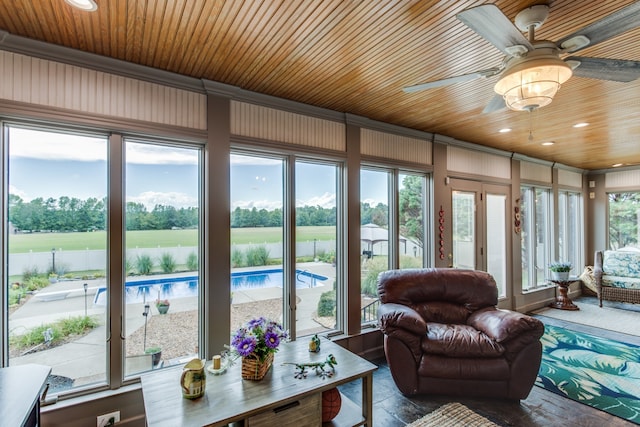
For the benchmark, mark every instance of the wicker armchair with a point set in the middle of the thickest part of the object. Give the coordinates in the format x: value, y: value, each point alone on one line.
x: 617, y: 276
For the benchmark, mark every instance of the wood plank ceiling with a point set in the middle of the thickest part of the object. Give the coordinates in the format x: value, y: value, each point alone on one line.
x: 355, y: 56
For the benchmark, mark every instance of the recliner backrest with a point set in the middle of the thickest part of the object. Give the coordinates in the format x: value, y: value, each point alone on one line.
x: 443, y: 295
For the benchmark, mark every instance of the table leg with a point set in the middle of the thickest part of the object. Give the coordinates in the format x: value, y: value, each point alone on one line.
x: 367, y: 398
x: 563, y: 302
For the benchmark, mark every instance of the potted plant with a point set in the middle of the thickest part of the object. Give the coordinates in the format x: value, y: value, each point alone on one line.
x: 156, y: 355
x: 560, y: 270
x: 256, y: 343
x: 162, y: 305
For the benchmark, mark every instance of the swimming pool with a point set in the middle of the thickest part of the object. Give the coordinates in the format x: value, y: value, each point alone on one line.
x: 180, y: 287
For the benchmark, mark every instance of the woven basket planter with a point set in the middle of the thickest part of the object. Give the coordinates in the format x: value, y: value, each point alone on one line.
x: 253, y: 369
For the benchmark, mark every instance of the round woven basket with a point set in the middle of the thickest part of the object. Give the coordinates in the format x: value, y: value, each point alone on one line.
x: 254, y: 369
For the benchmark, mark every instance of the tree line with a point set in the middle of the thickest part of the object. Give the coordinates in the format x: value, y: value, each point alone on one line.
x: 67, y: 214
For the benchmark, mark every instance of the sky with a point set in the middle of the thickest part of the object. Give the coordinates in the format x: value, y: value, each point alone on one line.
x: 47, y: 164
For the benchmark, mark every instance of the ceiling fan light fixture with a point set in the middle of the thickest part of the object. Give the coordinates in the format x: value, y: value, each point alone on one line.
x: 532, y: 82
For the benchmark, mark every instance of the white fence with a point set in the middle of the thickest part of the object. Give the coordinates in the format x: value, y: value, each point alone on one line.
x: 69, y: 261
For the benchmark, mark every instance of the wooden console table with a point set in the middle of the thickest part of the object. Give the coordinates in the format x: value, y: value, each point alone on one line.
x: 20, y: 389
x: 229, y: 398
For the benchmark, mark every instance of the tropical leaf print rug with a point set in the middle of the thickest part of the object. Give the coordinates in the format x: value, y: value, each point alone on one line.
x: 595, y: 371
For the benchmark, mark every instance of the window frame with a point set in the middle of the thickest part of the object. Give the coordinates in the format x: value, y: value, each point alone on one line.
x: 528, y: 195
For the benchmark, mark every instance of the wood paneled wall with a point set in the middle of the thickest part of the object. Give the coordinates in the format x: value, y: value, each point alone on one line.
x: 396, y: 147
x: 53, y: 84
x: 537, y: 172
x: 623, y: 179
x: 478, y: 163
x: 569, y: 178
x: 265, y: 123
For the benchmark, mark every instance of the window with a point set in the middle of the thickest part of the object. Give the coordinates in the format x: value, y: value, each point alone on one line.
x: 257, y: 238
x: 162, y: 285
x: 412, y: 196
x: 374, y: 236
x: 317, y: 284
x: 57, y: 258
x: 535, y: 236
x: 382, y: 192
x: 269, y: 268
x: 64, y: 260
x: 624, y: 216
x: 570, y: 226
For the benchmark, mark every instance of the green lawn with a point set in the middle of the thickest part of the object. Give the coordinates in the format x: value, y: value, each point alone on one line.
x: 44, y: 242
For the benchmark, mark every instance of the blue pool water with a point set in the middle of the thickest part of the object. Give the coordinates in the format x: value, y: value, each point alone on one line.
x: 180, y: 287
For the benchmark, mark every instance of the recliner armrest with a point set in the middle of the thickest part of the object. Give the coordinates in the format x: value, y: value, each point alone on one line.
x: 505, y: 325
x: 393, y: 316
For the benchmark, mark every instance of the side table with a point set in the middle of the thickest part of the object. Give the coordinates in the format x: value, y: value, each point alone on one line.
x: 563, y: 302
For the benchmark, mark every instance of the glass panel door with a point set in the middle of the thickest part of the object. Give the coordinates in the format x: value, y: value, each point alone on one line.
x: 481, y: 230
x: 464, y: 229
x: 496, y: 253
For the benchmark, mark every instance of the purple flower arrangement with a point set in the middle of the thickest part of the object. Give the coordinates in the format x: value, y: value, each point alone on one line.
x: 259, y: 337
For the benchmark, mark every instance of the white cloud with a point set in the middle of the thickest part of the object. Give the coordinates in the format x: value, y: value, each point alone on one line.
x: 236, y: 159
x: 37, y: 144
x: 327, y: 201
x: 14, y: 190
x: 148, y: 154
x: 55, y: 146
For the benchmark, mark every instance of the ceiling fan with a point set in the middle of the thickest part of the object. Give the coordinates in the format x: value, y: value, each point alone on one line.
x: 533, y: 70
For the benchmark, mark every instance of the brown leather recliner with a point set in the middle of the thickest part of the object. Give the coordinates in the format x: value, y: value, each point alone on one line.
x: 444, y: 335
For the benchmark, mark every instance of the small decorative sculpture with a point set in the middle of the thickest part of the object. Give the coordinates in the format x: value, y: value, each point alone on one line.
x: 301, y: 368
x: 314, y: 344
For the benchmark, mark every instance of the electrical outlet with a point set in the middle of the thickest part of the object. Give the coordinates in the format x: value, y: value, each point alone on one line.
x: 108, y: 419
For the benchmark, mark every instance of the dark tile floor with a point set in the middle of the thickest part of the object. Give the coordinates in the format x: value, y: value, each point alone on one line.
x: 541, y: 408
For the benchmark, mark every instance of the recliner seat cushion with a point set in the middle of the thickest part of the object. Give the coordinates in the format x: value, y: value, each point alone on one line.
x: 459, y: 341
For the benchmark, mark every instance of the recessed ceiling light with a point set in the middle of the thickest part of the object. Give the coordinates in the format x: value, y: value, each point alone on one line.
x: 548, y: 143
x: 88, y: 5
x: 505, y: 130
x: 617, y: 165
x: 581, y: 125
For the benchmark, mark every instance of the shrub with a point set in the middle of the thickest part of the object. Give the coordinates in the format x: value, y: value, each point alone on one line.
x: 30, y: 272
x: 374, y: 267
x: 59, y: 330
x: 167, y: 263
x: 257, y: 255
x: 192, y: 261
x: 144, y: 264
x: 128, y: 266
x: 237, y: 258
x: 35, y: 283
x: 15, y: 295
x: 327, y: 304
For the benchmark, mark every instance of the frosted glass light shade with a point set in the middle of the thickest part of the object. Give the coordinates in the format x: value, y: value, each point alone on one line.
x: 532, y: 83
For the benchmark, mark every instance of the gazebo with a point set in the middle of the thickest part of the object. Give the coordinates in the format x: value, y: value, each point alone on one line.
x: 372, y: 234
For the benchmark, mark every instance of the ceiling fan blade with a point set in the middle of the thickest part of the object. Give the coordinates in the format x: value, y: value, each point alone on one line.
x: 617, y: 70
x: 488, y: 21
x: 496, y: 103
x: 451, y: 80
x: 609, y: 26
